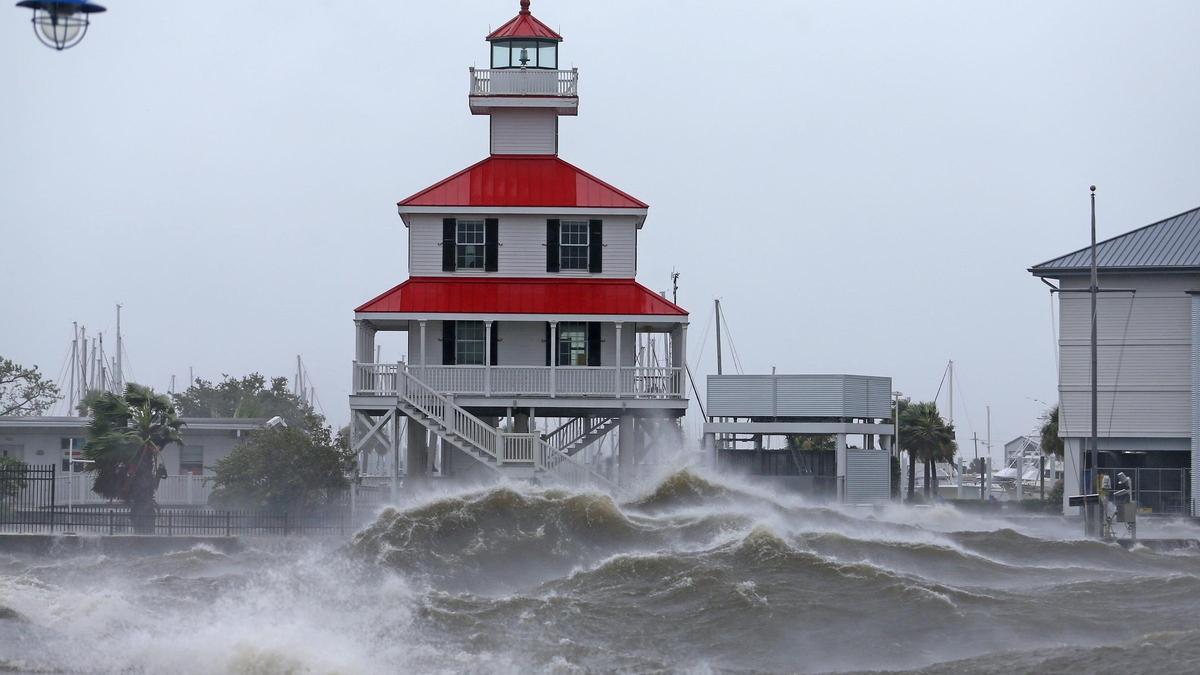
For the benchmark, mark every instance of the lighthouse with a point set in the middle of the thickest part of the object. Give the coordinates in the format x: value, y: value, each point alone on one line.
x: 532, y: 350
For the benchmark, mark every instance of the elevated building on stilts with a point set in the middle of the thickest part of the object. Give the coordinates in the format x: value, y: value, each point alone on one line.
x: 526, y: 329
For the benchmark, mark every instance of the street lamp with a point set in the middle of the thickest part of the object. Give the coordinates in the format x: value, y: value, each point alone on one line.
x: 60, y: 24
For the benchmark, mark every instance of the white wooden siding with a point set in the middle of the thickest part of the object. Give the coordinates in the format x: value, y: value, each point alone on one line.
x: 522, y: 251
x: 524, y: 131
x: 1143, y: 359
x: 522, y: 343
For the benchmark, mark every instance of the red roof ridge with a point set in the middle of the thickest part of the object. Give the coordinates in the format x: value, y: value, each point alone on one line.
x: 502, y: 195
x: 524, y: 25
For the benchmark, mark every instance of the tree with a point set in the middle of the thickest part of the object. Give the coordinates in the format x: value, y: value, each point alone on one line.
x: 12, y: 478
x: 285, y: 469
x: 23, y: 391
x: 927, y: 437
x: 1049, y: 440
x: 810, y: 442
x: 124, y: 440
x: 249, y: 396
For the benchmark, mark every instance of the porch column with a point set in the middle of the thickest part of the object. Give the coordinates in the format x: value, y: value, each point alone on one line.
x: 416, y: 453
x: 678, y: 379
x: 626, y: 449
x: 422, y: 348
x: 553, y: 358
x: 364, y: 346
x: 487, y: 359
x: 618, y: 359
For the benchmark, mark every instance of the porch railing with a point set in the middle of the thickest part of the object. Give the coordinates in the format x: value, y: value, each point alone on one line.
x: 524, y: 82
x: 380, y: 379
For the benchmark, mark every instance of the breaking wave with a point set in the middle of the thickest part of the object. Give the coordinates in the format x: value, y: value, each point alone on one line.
x: 695, y: 574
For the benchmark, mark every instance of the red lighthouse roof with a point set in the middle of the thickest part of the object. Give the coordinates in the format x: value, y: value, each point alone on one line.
x: 523, y: 180
x: 480, y: 295
x: 524, y: 25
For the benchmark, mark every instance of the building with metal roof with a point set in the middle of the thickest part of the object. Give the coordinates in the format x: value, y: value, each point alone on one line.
x: 522, y: 310
x: 1169, y: 245
x: 1148, y: 360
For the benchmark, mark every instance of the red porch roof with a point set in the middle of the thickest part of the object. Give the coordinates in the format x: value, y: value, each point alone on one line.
x: 480, y: 295
x: 524, y: 25
x: 523, y: 180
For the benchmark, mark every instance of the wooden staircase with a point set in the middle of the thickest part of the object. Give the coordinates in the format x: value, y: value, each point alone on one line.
x: 515, y: 455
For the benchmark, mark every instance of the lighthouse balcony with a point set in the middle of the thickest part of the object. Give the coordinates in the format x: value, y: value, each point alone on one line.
x: 524, y: 87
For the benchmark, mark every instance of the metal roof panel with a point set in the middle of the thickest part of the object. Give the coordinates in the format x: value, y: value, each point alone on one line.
x: 1172, y: 243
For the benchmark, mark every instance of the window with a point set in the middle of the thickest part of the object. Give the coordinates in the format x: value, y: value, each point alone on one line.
x: 500, y: 54
x: 470, y: 239
x: 573, y: 245
x: 572, y: 344
x: 191, y: 460
x: 72, y: 448
x: 468, y: 343
x: 525, y: 54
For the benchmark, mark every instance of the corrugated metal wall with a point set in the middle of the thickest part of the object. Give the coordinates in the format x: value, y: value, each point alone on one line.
x: 1195, y: 400
x: 846, y: 396
x: 868, y: 477
x: 1144, y: 361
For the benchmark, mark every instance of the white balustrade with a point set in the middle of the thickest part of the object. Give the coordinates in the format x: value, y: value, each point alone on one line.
x: 383, y: 379
x: 524, y: 82
x: 518, y: 448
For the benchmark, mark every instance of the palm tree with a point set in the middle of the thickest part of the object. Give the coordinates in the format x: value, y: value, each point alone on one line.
x: 1049, y: 440
x: 926, y: 436
x: 125, y: 438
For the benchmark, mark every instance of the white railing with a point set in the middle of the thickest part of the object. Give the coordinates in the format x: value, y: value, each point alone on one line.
x: 518, y: 448
x: 524, y: 82
x: 455, y: 379
x: 380, y: 379
x: 190, y: 490
x: 660, y: 382
x: 575, y: 430
x: 376, y: 378
x: 503, y: 448
x: 456, y: 420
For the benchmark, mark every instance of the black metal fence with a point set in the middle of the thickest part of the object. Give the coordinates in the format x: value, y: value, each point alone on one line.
x: 27, y: 504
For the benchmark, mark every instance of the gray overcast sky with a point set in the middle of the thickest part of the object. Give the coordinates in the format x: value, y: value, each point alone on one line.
x: 862, y: 183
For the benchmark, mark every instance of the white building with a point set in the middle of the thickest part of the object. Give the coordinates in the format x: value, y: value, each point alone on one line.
x: 56, y: 440
x: 1148, y: 360
x: 521, y: 302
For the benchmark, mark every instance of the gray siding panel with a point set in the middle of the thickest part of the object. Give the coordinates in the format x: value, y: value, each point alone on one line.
x: 842, y: 396
x: 524, y: 131
x: 1144, y: 359
x: 868, y: 477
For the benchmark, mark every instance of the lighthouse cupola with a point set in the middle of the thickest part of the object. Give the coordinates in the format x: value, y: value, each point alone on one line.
x: 524, y: 71
x: 524, y: 42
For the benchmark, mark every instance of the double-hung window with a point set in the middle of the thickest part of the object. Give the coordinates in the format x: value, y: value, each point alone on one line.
x: 191, y: 460
x: 469, y: 343
x: 572, y: 343
x: 470, y: 238
x: 573, y: 245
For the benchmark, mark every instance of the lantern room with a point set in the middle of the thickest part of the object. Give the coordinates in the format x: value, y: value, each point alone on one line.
x: 524, y: 42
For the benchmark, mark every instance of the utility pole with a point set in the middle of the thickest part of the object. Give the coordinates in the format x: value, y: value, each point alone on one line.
x: 717, y: 318
x: 1093, y: 522
x: 975, y: 437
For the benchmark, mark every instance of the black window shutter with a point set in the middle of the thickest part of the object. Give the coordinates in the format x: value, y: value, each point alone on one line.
x: 593, y: 344
x: 449, y: 243
x: 491, y: 246
x: 447, y: 343
x: 495, y: 341
x: 595, y: 246
x: 549, y: 347
x: 552, y: 245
